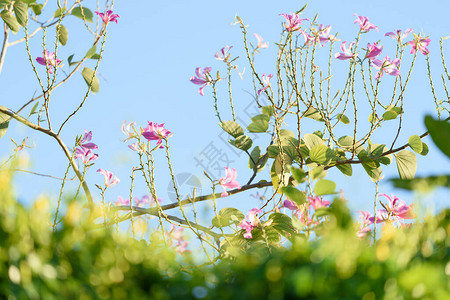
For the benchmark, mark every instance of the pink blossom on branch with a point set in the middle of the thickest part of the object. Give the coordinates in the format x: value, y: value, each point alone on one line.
x: 293, y: 21
x: 110, y: 179
x: 250, y: 222
x: 223, y: 54
x: 87, y: 137
x: 122, y: 201
x: 127, y: 130
x: 317, y: 202
x: 346, y: 51
x: 49, y: 59
x: 364, y: 24
x: 398, y: 35
x: 108, y: 16
x: 85, y: 155
x: 373, y: 51
x: 387, y: 66
x: 156, y: 132
x: 261, y: 44
x: 420, y: 43
x: 397, y: 208
x: 266, y: 81
x: 229, y: 181
x: 201, y: 78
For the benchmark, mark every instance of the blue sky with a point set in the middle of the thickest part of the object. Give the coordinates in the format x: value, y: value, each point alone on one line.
x: 151, y: 54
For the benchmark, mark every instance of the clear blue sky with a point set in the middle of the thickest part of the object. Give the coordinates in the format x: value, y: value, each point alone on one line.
x: 151, y: 54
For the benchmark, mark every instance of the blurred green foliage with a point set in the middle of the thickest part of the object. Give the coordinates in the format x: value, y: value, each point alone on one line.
x: 77, y: 262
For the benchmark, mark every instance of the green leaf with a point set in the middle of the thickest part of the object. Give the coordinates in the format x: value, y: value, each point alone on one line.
x: 262, y: 117
x: 313, y: 113
x: 33, y: 109
x: 424, y: 149
x: 406, y: 164
x: 293, y: 194
x: 321, y: 154
x: 227, y: 216
x: 324, y: 187
x: 243, y: 142
x: 63, y: 34
x: 317, y: 173
x: 69, y: 59
x: 10, y: 21
x: 95, y: 56
x: 278, y: 172
x: 373, y: 172
x: 343, y: 118
x: 37, y: 8
x: 346, y: 169
x: 91, y: 79
x: 440, y: 133
x: 283, y: 224
x: 4, y: 123
x: 79, y: 11
x: 373, y: 118
x: 312, y: 140
x: 254, y: 157
x: 415, y: 143
x: 424, y: 184
x: 59, y: 12
x: 267, y: 110
x: 232, y: 128
x: 258, y: 126
x: 345, y: 141
x: 298, y: 174
x: 91, y: 51
x: 389, y: 115
x: 21, y: 12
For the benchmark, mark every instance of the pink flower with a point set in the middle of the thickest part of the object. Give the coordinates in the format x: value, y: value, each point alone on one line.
x: 176, y: 235
x: 155, y: 132
x: 86, y: 155
x: 364, y: 24
x: 397, y: 208
x: 202, y: 78
x: 229, y: 181
x: 250, y: 222
x: 420, y: 43
x: 110, y: 179
x: 223, y: 54
x: 373, y: 51
x: 108, y: 16
x: 266, y: 80
x: 346, y: 51
x: 135, y: 147
x: 261, y: 45
x: 290, y: 205
x: 324, y: 34
x: 87, y: 137
x: 367, y: 220
x: 49, y: 60
x: 381, y: 217
x: 145, y: 200
x: 317, y: 202
x: 127, y: 130
x: 387, y: 66
x: 305, y: 218
x: 293, y: 21
x: 398, y: 34
x: 122, y: 202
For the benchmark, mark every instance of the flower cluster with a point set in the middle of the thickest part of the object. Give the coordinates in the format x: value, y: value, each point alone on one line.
x: 266, y: 80
x: 203, y: 78
x: 250, y: 222
x: 153, y: 132
x: 84, y: 150
x: 320, y: 35
x: 139, y: 202
x: 177, y: 239
x: 395, y: 210
x: 304, y: 212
